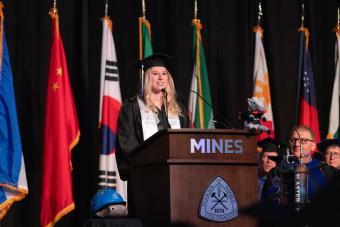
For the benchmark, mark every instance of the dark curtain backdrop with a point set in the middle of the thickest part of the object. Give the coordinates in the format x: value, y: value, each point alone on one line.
x: 229, y: 47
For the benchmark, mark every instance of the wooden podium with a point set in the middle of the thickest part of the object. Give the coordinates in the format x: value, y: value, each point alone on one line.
x: 176, y: 178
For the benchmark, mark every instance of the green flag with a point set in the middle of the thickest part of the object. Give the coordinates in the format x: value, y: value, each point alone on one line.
x: 145, y: 46
x: 201, y: 113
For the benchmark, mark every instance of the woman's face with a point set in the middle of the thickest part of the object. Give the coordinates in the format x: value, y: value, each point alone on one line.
x: 158, y: 78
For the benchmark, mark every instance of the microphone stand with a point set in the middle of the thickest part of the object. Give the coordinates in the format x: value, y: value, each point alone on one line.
x: 225, y: 122
x: 165, y: 102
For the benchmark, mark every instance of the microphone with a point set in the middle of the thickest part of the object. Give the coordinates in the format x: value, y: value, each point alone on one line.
x: 221, y: 122
x: 225, y: 122
x: 165, y: 101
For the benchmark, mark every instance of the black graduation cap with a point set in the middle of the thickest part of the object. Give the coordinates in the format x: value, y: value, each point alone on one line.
x: 270, y: 144
x: 156, y: 59
x: 322, y: 146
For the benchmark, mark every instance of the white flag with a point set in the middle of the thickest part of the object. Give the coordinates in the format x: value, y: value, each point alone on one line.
x: 110, y: 104
x: 333, y: 129
x: 261, y: 83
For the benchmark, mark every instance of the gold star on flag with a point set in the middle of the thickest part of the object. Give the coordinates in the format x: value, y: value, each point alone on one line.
x: 55, y: 86
x: 59, y: 71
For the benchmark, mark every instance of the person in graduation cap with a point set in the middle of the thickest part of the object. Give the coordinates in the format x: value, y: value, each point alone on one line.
x: 331, y: 152
x: 154, y: 109
x: 269, y: 157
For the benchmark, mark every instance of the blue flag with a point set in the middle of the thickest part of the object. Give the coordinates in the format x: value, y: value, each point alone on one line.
x: 308, y: 111
x: 13, y: 183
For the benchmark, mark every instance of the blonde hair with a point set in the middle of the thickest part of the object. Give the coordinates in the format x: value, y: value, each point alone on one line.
x: 172, y: 104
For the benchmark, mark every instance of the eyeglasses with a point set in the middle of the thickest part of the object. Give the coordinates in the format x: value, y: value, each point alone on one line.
x: 301, y: 140
x: 334, y: 155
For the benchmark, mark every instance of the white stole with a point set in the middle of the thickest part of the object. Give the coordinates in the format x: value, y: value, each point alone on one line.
x: 150, y: 120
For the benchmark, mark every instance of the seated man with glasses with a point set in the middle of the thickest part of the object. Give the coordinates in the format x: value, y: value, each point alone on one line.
x: 279, y: 186
x: 331, y: 152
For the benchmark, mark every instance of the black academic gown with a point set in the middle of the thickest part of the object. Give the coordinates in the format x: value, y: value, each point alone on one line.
x: 130, y: 133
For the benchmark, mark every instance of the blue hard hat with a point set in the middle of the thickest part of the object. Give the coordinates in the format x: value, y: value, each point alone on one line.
x: 104, y: 198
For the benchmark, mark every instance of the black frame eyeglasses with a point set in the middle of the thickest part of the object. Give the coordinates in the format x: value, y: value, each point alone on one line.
x: 334, y: 155
x: 301, y: 140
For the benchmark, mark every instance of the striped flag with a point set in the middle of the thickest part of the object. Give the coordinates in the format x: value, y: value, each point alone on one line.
x: 61, y: 134
x: 201, y: 114
x: 110, y: 103
x: 261, y: 83
x: 307, y: 104
x: 13, y: 183
x: 333, y: 128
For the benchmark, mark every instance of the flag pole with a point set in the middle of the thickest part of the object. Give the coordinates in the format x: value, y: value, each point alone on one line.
x: 59, y: 93
x: 259, y: 14
x: 143, y: 9
x: 140, y: 33
x: 141, y: 70
x: 106, y: 18
x: 302, y: 15
x: 198, y: 26
x: 338, y: 21
x: 195, y: 10
x: 258, y: 27
x: 54, y: 9
x: 337, y: 27
x: 301, y: 54
x: 106, y: 7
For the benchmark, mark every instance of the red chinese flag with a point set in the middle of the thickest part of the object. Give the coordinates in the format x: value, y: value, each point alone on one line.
x: 61, y: 134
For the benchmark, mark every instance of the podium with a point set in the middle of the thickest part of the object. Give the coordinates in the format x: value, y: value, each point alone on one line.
x: 195, y: 177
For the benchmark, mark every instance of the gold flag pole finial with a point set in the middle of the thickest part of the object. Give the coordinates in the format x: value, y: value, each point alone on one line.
x: 302, y: 15
x: 54, y: 8
x: 260, y: 14
x: 143, y: 9
x: 106, y: 7
x: 195, y: 10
